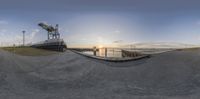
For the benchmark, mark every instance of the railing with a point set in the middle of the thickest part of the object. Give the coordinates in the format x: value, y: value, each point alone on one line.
x: 130, y: 53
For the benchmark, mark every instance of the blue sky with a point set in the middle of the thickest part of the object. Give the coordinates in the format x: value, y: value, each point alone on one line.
x: 102, y: 22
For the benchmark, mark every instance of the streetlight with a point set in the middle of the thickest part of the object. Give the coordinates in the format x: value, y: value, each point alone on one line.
x: 23, y: 37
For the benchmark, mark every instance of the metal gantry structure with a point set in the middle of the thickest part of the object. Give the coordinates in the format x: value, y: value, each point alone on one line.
x: 52, y: 32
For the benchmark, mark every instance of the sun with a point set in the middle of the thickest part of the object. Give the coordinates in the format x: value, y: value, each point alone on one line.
x: 100, y: 46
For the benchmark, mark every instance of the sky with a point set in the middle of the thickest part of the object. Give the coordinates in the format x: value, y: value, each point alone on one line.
x: 101, y: 22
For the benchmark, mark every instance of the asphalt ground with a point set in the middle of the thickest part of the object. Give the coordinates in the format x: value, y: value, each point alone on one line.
x: 169, y: 75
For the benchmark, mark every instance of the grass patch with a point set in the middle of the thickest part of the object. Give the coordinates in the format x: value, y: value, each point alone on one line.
x: 29, y: 51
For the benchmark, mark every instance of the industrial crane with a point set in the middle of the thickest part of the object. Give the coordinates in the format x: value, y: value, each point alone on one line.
x: 52, y: 31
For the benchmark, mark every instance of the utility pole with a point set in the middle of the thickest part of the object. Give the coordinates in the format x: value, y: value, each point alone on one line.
x: 23, y: 37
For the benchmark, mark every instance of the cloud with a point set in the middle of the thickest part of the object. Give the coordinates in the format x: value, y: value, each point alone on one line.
x: 3, y: 22
x: 18, y: 38
x: 118, y: 41
x: 3, y: 30
x: 117, y: 32
x: 3, y: 33
x: 29, y: 37
x: 32, y: 35
x: 198, y: 38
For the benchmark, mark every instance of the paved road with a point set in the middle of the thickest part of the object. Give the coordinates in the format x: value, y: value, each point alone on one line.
x: 170, y: 75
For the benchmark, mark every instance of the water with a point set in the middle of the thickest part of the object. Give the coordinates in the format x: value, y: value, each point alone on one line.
x: 110, y: 53
x: 113, y: 52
